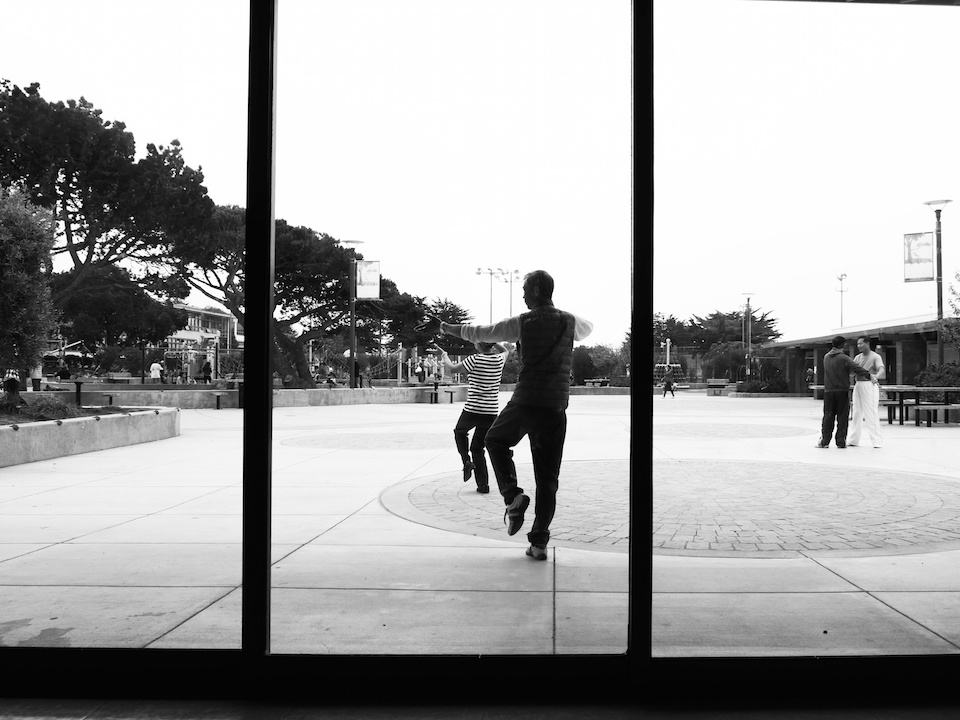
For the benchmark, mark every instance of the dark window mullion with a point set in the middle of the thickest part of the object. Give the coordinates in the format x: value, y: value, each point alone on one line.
x: 258, y: 371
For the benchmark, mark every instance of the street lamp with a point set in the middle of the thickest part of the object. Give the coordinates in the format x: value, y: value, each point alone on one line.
x: 841, y: 277
x: 937, y: 206
x: 491, y: 273
x: 749, y: 330
x: 508, y: 276
x: 352, y: 281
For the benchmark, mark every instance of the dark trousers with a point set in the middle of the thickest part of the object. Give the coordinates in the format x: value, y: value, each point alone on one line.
x: 547, y: 430
x: 836, y: 410
x: 480, y: 423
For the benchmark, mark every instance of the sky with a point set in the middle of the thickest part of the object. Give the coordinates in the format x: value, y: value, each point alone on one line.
x: 796, y: 142
x: 443, y: 135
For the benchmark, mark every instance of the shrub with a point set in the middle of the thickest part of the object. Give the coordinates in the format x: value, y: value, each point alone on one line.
x: 947, y: 375
x: 48, y: 407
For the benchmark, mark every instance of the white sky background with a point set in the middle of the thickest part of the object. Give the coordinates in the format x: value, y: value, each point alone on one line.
x: 797, y: 141
x: 446, y: 135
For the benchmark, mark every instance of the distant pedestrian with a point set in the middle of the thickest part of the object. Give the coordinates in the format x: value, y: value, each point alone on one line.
x: 156, y: 372
x: 207, y: 372
x: 668, y: 382
x: 837, y: 366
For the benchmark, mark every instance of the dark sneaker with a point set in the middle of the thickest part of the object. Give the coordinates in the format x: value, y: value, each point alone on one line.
x: 821, y: 445
x: 468, y: 470
x: 483, y: 488
x: 842, y: 447
x: 513, y: 517
x: 537, y: 553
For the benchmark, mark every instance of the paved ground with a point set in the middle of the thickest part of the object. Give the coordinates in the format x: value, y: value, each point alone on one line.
x: 378, y: 546
x: 765, y: 545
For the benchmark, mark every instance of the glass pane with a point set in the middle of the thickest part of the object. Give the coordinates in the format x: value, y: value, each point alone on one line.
x: 796, y: 144
x: 125, y: 529
x: 460, y: 146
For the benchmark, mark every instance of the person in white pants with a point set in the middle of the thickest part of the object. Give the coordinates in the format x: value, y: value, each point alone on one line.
x: 866, y: 396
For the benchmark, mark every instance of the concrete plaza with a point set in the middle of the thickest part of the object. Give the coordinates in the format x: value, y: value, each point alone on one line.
x: 765, y: 545
x: 378, y: 545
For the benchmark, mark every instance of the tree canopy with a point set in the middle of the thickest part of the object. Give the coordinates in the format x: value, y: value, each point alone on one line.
x: 26, y: 313
x: 719, y: 327
x: 108, y: 206
x: 108, y: 308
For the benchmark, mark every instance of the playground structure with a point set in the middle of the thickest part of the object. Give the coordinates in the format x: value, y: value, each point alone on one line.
x: 679, y: 376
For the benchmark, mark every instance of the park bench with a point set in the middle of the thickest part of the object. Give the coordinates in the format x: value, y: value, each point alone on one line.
x: 109, y: 397
x: 219, y: 394
x: 931, y: 411
x: 716, y: 386
x: 597, y: 382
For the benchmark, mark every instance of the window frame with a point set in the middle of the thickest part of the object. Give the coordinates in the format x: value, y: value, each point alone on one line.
x: 252, y: 673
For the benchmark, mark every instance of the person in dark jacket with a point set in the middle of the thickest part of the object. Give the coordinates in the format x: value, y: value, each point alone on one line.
x: 538, y: 408
x: 837, y: 366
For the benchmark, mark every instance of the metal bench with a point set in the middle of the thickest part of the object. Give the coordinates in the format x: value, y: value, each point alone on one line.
x: 451, y: 393
x: 109, y: 397
x: 931, y: 411
x: 219, y: 394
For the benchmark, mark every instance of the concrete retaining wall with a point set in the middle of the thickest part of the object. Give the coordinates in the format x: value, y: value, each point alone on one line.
x: 193, y: 397
x: 35, y: 441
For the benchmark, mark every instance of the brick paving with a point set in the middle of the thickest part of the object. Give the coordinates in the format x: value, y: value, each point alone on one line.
x: 728, y: 507
x: 592, y: 505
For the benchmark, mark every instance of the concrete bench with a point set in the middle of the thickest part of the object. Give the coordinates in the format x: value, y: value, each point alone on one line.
x: 931, y: 411
x: 716, y: 386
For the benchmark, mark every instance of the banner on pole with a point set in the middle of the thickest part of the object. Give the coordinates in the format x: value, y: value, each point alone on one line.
x: 918, y: 257
x: 368, y: 279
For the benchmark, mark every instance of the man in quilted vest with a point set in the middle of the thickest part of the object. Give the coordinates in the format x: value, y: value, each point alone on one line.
x: 538, y: 409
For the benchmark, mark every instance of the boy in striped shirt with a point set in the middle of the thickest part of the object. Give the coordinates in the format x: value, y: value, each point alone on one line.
x: 484, y: 370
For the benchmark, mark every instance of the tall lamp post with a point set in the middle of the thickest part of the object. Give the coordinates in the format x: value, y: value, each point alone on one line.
x: 841, y: 277
x: 508, y: 276
x: 749, y: 326
x: 937, y: 206
x: 491, y: 272
x: 352, y: 281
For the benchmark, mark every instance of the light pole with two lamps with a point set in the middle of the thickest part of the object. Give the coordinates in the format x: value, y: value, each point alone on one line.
x: 507, y: 276
x: 937, y: 206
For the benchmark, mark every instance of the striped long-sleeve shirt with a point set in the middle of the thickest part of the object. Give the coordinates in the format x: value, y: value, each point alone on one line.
x: 483, y: 383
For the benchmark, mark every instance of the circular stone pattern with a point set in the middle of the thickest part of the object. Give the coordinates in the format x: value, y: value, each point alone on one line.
x: 717, y: 430
x: 593, y: 506
x: 713, y: 507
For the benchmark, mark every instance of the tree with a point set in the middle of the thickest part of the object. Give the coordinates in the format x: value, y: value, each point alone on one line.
x: 108, y: 207
x: 951, y: 325
x: 582, y: 365
x: 107, y: 307
x: 724, y: 359
x: 311, y: 292
x: 677, y: 331
x: 26, y: 313
x: 721, y: 327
